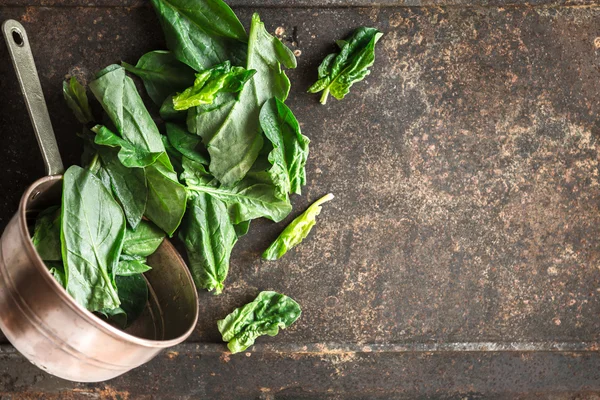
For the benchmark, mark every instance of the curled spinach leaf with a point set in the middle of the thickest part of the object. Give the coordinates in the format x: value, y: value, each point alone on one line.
x: 222, y: 78
x: 162, y: 74
x: 290, y: 147
x: 92, y: 231
x: 296, y: 231
x: 339, y: 71
x: 268, y: 313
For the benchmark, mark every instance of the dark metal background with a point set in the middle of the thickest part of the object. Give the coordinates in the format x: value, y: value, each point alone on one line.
x: 461, y: 255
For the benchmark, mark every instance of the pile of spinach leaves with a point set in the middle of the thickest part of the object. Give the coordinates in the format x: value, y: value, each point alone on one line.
x: 224, y: 149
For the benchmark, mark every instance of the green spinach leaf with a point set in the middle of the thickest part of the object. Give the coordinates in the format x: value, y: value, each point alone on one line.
x: 76, y: 98
x: 201, y: 33
x: 208, y: 236
x: 46, y: 235
x: 290, y: 147
x: 128, y: 185
x: 169, y: 113
x: 57, y: 270
x: 133, y: 292
x: 253, y: 197
x: 166, y: 197
x: 130, y: 267
x: 222, y: 78
x: 268, y: 313
x: 130, y: 156
x: 231, y: 130
x: 92, y: 231
x: 162, y: 74
x: 296, y: 231
x: 187, y: 144
x: 339, y: 71
x: 123, y: 104
x: 143, y: 240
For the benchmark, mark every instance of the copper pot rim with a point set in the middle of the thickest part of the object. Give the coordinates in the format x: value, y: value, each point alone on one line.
x: 71, y: 303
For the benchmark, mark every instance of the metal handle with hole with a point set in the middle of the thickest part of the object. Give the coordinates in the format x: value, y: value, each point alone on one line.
x: 22, y: 59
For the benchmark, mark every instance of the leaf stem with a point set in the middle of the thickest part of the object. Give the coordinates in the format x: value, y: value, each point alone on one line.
x: 324, y: 96
x: 94, y: 164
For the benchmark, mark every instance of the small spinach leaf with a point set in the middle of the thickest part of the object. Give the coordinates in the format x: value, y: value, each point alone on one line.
x: 268, y: 313
x: 92, y: 231
x: 162, y: 74
x: 339, y: 71
x: 169, y: 113
x: 143, y: 240
x: 208, y: 236
x: 296, y: 231
x: 57, y: 270
x: 133, y: 292
x: 130, y: 267
x: 187, y: 144
x: 290, y: 147
x: 222, y: 78
x: 46, y: 236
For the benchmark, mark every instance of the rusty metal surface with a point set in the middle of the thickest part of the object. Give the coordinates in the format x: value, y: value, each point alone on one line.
x: 465, y: 170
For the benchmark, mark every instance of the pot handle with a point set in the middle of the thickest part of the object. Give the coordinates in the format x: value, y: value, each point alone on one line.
x: 22, y: 59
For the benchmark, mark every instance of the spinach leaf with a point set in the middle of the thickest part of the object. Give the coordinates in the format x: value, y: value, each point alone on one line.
x: 187, y: 144
x: 76, y: 98
x: 123, y: 104
x: 166, y: 197
x: 162, y: 74
x: 175, y: 157
x: 339, y: 71
x: 130, y: 156
x: 296, y: 231
x: 242, y: 228
x: 58, y: 271
x: 133, y: 292
x: 194, y: 173
x: 116, y: 316
x: 253, y: 197
x: 46, y: 235
x: 169, y: 113
x: 268, y: 313
x: 92, y: 231
x: 222, y: 78
x: 201, y: 33
x: 290, y: 147
x: 231, y: 131
x: 130, y: 267
x: 208, y: 236
x: 128, y: 185
x: 143, y: 240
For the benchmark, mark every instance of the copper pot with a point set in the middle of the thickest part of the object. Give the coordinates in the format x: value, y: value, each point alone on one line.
x: 37, y: 315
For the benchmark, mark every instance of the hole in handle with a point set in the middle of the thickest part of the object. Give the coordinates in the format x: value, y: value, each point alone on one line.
x: 18, y: 37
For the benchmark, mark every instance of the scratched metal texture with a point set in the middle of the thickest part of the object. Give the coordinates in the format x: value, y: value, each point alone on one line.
x: 461, y: 254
